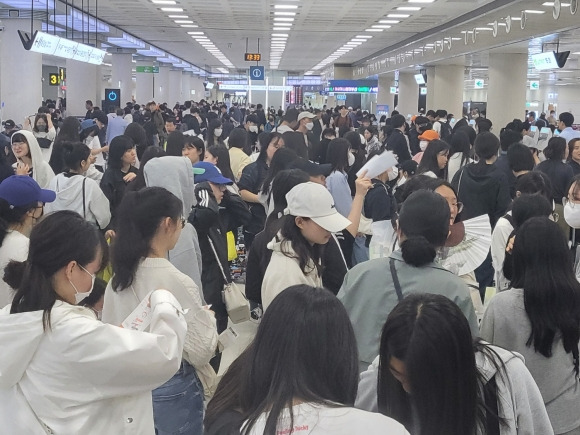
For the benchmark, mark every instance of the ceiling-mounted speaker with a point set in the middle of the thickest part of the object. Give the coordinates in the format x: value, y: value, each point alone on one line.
x: 556, y: 9
x: 494, y: 29
x: 573, y: 6
x: 523, y: 19
x: 508, y: 24
x: 474, y: 35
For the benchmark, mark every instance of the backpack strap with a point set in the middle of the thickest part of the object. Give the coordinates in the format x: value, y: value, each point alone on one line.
x: 84, y: 201
x: 395, y: 277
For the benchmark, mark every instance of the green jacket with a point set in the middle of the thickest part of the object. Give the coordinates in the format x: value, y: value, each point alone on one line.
x: 369, y: 295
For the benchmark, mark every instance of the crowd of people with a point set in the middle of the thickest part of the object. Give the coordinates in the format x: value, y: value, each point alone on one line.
x: 408, y: 275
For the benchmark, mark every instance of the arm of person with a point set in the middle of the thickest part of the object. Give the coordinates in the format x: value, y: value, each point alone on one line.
x: 503, y: 198
x: 529, y: 409
x: 245, y: 162
x: 99, y: 206
x: 366, y: 398
x: 249, y: 196
x: 51, y: 132
x: 202, y: 336
x: 206, y: 211
x: 119, y: 362
x: 247, y: 183
x: 363, y: 184
x: 499, y: 238
x: 486, y: 329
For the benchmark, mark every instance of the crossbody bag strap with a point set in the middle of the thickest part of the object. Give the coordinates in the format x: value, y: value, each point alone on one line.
x: 459, y: 183
x: 217, y: 259
x: 84, y: 201
x: 395, y: 277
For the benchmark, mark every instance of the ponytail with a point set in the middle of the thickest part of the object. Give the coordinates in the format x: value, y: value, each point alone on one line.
x: 417, y: 251
x: 13, y: 273
x: 73, y: 154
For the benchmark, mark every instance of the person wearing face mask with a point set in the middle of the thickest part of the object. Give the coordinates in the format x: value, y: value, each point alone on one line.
x: 572, y: 218
x: 397, y: 142
x: 252, y: 128
x: 21, y: 205
x: 29, y: 160
x: 62, y: 369
x: 305, y: 126
x: 214, y: 133
x: 76, y: 192
x: 43, y: 131
x: 424, y: 139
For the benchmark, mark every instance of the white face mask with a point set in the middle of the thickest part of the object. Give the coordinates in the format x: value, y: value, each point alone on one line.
x: 218, y: 132
x: 79, y: 297
x: 254, y: 128
x: 351, y: 159
x: 572, y: 215
x: 310, y: 125
x: 394, y: 173
x: 423, y: 145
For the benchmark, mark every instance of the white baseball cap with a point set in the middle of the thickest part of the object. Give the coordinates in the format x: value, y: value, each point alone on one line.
x: 314, y: 201
x: 306, y: 115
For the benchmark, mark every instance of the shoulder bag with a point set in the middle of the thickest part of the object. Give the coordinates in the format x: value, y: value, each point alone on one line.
x: 237, y: 305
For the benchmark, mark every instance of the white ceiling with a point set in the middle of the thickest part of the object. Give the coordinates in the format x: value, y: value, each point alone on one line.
x: 319, y: 29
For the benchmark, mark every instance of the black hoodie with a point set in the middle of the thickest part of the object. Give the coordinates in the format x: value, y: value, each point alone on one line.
x: 483, y: 189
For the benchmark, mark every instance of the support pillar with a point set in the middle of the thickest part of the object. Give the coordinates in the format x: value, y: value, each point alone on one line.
x: 174, y: 94
x: 145, y: 84
x: 445, y: 85
x: 506, y: 96
x: 122, y: 73
x: 408, y: 94
x: 81, y: 84
x: 384, y: 95
x: 185, y: 87
x: 162, y: 86
x: 20, y: 72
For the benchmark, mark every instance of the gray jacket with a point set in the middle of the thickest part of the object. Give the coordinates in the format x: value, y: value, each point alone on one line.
x: 369, y: 295
x: 506, y: 324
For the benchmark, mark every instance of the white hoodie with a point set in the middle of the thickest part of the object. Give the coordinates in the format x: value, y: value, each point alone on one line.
x: 83, y: 376
x: 41, y: 171
x: 520, y: 403
x: 69, y: 196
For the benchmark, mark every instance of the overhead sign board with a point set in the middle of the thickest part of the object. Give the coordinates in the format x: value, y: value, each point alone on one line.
x: 478, y: 84
x: 251, y: 57
x: 61, y: 47
x: 394, y: 90
x: 534, y: 85
x: 245, y: 87
x: 354, y: 89
x: 257, y: 73
x: 147, y: 69
x: 423, y: 90
x: 545, y: 60
x: 53, y: 79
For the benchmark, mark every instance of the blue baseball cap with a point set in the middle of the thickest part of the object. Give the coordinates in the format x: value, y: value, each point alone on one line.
x: 19, y: 190
x: 211, y: 173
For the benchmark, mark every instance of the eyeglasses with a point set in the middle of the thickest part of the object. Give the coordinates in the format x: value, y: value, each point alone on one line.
x: 458, y: 206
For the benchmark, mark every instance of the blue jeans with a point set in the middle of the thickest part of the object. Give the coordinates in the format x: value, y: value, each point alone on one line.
x: 178, y: 404
x: 360, y: 253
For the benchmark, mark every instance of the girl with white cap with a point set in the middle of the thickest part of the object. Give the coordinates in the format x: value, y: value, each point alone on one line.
x: 309, y: 220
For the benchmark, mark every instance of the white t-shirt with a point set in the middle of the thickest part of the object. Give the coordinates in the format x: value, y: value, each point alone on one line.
x: 14, y: 247
x: 312, y: 419
x: 94, y: 144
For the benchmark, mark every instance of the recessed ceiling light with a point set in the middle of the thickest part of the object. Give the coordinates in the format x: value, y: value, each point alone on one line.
x: 374, y: 30
x: 285, y: 7
x: 283, y: 24
x: 281, y: 28
x: 364, y: 36
x: 288, y: 14
x: 389, y: 21
x: 421, y: 1
x: 183, y: 21
x: 483, y: 28
x: 172, y: 9
x: 358, y: 40
x: 279, y: 38
x: 409, y: 8
x: 164, y: 2
x: 534, y: 11
x: 195, y: 33
x: 381, y: 26
x: 189, y: 25
x: 283, y: 19
x: 398, y: 15
x: 564, y: 5
x: 285, y: 35
x: 177, y: 16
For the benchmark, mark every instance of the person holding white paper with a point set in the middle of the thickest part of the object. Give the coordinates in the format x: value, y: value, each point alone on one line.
x: 62, y: 370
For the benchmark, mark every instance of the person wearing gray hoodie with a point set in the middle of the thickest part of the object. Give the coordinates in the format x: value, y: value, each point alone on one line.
x: 186, y: 256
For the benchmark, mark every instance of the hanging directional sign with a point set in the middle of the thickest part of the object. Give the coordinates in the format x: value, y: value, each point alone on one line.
x: 53, y: 79
x: 534, y: 85
x: 147, y: 69
x: 257, y: 73
x: 479, y: 84
x: 253, y: 57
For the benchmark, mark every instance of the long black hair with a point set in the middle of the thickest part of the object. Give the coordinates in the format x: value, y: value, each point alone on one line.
x: 424, y: 223
x: 69, y: 131
x: 140, y: 214
x: 211, y: 126
x: 58, y: 239
x: 294, y: 140
x: 119, y: 146
x: 429, y: 161
x: 74, y: 154
x: 220, y: 152
x: 139, y: 137
x: 175, y: 144
x: 556, y: 149
x: 265, y: 139
x: 541, y: 266
x: 337, y: 154
x: 304, y: 251
x: 431, y: 336
x: 460, y: 144
x: 281, y: 161
x: 139, y: 182
x: 294, y: 357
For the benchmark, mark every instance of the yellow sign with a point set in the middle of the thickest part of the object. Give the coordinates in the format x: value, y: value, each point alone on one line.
x: 53, y: 79
x: 253, y: 57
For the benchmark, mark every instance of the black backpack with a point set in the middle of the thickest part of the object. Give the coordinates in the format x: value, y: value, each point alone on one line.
x: 446, y: 131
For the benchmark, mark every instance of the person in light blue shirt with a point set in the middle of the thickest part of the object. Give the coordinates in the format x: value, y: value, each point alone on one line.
x: 116, y: 126
x: 565, y: 121
x: 337, y: 181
